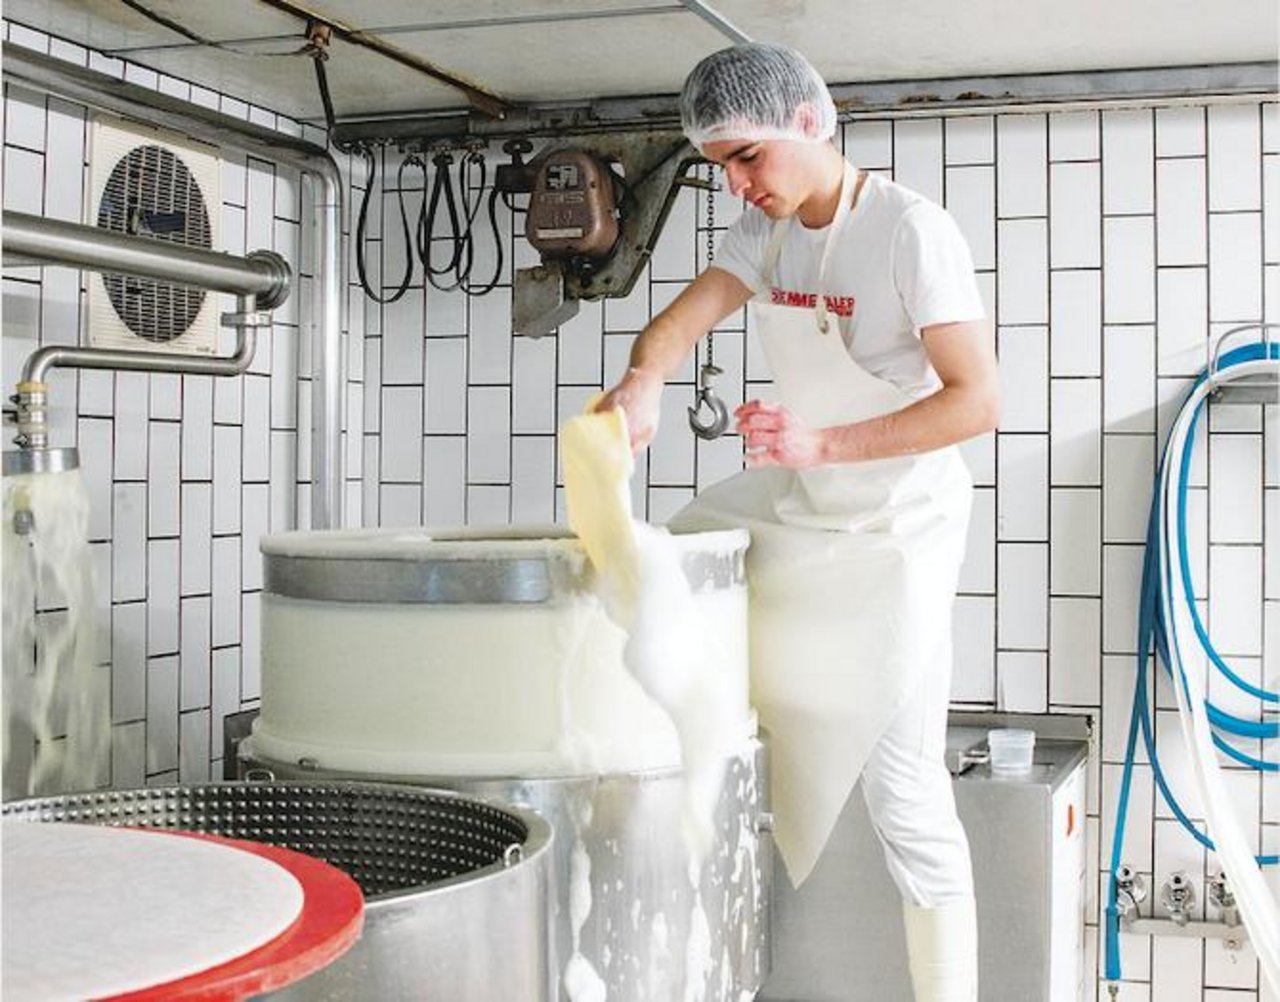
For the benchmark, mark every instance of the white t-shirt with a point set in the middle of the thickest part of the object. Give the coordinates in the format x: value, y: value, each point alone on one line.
x: 900, y: 264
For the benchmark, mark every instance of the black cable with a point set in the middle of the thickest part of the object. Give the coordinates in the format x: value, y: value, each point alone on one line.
x: 362, y: 221
x: 322, y: 80
x: 480, y: 290
x: 441, y: 187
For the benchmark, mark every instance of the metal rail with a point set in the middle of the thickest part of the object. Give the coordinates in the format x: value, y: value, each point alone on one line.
x: 97, y: 90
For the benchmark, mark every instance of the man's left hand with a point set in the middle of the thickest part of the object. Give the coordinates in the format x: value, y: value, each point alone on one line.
x: 773, y: 436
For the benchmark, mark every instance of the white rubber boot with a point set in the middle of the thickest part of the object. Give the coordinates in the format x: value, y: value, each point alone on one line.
x: 942, y: 947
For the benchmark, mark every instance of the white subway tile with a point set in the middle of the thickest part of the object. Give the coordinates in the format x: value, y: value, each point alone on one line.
x: 23, y: 181
x: 1129, y: 270
x: 64, y: 166
x: 251, y: 647
x: 1075, y: 669
x: 226, y: 478
x: 444, y: 478
x: 973, y: 647
x: 162, y: 714
x: 446, y: 387
x: 1181, y: 219
x: 1075, y: 440
x: 1235, y: 292
x: 1128, y: 150
x: 256, y: 433
x: 166, y: 396
x: 533, y: 401
x: 671, y: 453
x: 490, y: 339
x: 197, y: 528
x: 1128, y: 474
x: 446, y: 312
x: 1076, y: 323
x: 193, y: 747
x: 869, y: 144
x: 1235, y: 146
x: 717, y: 459
x: 1075, y: 221
x: 94, y: 440
x: 129, y: 542
x: 1022, y: 596
x: 1235, y: 489
x: 489, y: 434
x: 259, y: 204
x: 1022, y: 495
x: 194, y: 652
x: 284, y: 466
x: 1024, y: 378
x: 1073, y: 135
x: 1180, y: 132
x: 226, y: 694
x: 917, y: 156
x: 970, y: 140
x: 980, y: 456
x: 129, y: 756
x: 225, y: 609
x: 24, y: 118
x: 1271, y: 555
x: 1270, y: 127
x: 488, y: 504
x: 579, y: 352
x: 1022, y: 681
x: 533, y: 478
x: 256, y: 523
x: 400, y: 505
x: 971, y: 200
x: 1183, y: 319
x: 163, y: 571
x: 673, y: 255
x: 1128, y: 379
x: 1235, y: 599
x: 1022, y: 150
x: 1119, y: 674
x: 284, y: 385
x: 1075, y: 534
x: 1137, y: 849
x: 978, y: 572
x: 128, y: 662
x: 631, y: 312
x: 197, y: 427
x: 1023, y: 271
x: 402, y: 410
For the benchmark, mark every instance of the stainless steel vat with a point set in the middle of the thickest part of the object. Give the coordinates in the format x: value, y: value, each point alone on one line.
x: 456, y: 888
x: 643, y: 931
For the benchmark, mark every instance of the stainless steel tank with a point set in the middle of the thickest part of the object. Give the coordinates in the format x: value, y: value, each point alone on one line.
x: 456, y: 889
x: 420, y: 657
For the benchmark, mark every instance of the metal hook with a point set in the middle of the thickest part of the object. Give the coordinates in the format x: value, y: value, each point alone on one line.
x: 719, y: 420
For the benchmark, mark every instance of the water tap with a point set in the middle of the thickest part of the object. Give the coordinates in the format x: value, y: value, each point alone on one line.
x: 1132, y: 891
x: 1178, y: 896
x: 1222, y: 898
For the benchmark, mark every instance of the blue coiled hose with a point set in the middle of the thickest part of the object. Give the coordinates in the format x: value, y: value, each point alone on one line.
x: 1153, y: 635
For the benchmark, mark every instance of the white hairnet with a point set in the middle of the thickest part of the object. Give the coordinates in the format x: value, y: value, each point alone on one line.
x: 755, y: 92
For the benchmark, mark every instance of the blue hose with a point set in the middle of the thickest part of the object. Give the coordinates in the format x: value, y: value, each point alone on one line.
x: 1153, y: 639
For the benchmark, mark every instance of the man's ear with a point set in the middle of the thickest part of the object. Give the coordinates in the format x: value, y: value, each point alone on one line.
x: 806, y: 120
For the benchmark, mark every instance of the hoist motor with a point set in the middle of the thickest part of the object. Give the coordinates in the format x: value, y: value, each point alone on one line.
x: 572, y: 213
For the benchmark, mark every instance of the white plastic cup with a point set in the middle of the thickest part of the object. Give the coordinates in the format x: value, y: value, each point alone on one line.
x: 1011, y: 750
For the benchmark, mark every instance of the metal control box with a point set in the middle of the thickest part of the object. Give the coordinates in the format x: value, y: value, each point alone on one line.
x: 839, y: 938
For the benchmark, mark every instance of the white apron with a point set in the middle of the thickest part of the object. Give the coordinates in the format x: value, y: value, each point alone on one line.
x: 852, y: 569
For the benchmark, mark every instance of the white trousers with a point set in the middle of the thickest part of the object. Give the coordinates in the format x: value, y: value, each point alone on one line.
x: 907, y: 788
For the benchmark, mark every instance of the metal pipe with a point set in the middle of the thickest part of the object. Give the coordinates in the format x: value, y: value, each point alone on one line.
x: 263, y: 274
x: 717, y: 20
x: 97, y: 90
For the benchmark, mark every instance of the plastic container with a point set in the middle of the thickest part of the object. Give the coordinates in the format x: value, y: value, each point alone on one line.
x: 1011, y: 750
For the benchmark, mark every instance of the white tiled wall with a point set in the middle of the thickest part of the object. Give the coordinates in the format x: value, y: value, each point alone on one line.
x: 1111, y: 246
x: 185, y: 473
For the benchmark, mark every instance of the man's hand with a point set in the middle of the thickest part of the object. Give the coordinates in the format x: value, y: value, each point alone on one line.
x: 639, y: 394
x: 776, y: 437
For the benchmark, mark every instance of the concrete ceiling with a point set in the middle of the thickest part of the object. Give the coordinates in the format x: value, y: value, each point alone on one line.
x: 553, y: 50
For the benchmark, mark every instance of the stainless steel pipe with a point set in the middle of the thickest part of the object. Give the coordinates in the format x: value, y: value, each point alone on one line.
x: 97, y: 90
x: 263, y: 274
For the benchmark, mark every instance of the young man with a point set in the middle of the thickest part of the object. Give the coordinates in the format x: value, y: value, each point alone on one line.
x: 863, y: 298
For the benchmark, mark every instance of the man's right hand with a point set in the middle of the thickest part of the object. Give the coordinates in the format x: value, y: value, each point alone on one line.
x: 639, y: 394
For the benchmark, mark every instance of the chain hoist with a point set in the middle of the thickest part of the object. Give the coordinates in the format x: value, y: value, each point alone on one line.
x: 717, y: 420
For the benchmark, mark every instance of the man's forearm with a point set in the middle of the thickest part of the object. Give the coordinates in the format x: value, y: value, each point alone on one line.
x: 952, y: 414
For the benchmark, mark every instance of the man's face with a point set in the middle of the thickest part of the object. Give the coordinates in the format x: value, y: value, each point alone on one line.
x: 771, y: 174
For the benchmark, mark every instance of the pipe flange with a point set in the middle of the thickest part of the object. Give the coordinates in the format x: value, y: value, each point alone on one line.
x: 275, y: 267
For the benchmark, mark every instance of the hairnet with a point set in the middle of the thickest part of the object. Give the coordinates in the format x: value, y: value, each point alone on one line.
x: 754, y: 92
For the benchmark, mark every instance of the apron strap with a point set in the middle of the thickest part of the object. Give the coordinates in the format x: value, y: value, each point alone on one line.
x: 850, y: 184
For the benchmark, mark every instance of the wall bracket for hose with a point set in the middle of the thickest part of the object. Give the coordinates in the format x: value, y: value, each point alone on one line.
x: 1260, y: 388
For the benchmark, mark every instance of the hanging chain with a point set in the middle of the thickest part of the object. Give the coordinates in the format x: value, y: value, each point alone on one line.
x: 711, y: 246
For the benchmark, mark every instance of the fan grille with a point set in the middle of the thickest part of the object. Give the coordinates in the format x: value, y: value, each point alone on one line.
x: 151, y: 193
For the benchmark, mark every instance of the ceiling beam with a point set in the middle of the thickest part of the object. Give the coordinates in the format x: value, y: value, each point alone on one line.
x: 480, y: 98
